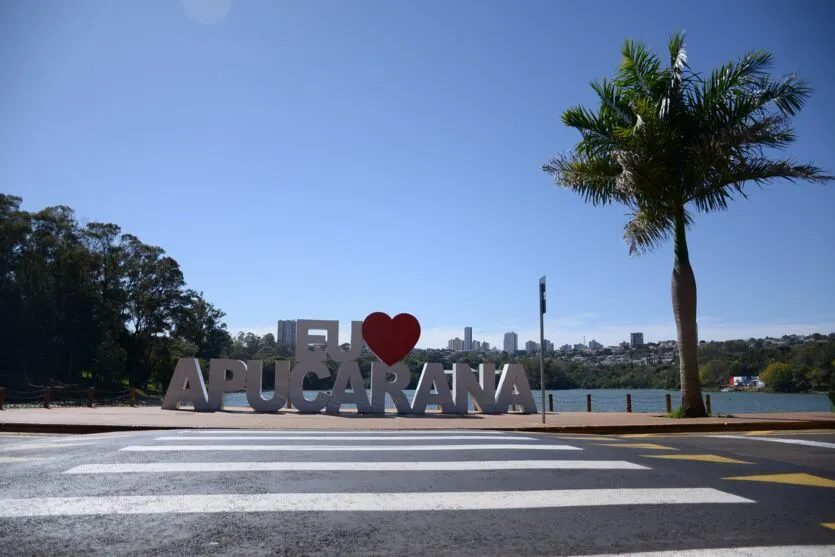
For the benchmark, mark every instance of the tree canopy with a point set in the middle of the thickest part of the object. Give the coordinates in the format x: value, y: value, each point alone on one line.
x: 91, y: 305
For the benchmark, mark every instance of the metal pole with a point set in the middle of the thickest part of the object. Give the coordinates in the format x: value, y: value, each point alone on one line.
x: 542, y: 343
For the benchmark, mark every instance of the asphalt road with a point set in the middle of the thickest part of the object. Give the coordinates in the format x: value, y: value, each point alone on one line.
x: 415, y: 493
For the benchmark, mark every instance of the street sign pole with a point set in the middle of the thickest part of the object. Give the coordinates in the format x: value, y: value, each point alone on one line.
x: 542, y: 343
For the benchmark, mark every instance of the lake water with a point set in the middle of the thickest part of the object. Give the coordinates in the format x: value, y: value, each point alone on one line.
x: 643, y: 400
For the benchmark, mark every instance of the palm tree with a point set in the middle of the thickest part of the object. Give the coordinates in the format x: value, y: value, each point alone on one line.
x: 667, y: 142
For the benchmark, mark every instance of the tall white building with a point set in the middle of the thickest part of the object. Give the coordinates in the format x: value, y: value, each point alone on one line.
x: 286, y: 336
x: 531, y: 347
x: 594, y: 345
x: 511, y: 342
x: 468, y: 339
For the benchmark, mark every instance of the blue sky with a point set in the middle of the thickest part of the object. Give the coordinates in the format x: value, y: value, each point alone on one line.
x: 326, y: 159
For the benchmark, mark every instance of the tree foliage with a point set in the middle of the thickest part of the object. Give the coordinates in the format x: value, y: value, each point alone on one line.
x: 778, y: 376
x: 91, y: 305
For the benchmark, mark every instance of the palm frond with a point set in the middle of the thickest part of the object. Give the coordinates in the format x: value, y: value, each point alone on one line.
x: 789, y: 94
x: 720, y: 86
x: 595, y: 179
x: 725, y: 182
x: 611, y: 103
x: 639, y: 68
x: 678, y: 54
x: 663, y: 138
x: 596, y: 133
x: 771, y: 131
x: 647, y: 230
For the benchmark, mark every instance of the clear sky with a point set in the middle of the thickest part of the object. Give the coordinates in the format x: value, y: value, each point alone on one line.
x: 326, y: 159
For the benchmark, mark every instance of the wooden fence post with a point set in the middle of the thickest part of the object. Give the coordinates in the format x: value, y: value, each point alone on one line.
x: 707, y: 403
x: 668, y: 400
x: 91, y: 397
x: 47, y: 396
x: 588, y: 403
x: 550, y: 402
x: 628, y: 402
x: 2, y: 397
x: 132, y: 397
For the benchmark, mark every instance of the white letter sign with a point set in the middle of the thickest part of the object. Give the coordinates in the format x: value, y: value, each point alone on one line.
x: 389, y: 340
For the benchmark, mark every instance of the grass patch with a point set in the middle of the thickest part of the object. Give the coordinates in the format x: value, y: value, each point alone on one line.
x: 678, y: 413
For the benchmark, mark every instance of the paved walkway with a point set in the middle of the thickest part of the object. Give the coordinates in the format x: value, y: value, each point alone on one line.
x: 90, y: 420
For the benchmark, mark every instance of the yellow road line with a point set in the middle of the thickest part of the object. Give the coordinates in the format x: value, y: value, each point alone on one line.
x: 699, y: 457
x: 792, y: 479
x: 646, y: 446
x: 697, y: 434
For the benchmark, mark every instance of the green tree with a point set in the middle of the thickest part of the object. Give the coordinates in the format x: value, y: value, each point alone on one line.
x: 154, y: 296
x: 714, y: 373
x: 93, y: 305
x: 778, y: 376
x: 201, y: 323
x: 666, y: 142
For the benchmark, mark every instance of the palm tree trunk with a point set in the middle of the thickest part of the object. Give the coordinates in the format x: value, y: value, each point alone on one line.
x: 684, y: 310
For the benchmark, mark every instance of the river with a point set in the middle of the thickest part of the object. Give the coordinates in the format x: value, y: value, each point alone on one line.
x: 645, y: 400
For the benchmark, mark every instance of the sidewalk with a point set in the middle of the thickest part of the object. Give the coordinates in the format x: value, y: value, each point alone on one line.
x: 109, y: 418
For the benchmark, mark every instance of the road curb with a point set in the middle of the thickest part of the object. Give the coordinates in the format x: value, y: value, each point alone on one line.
x: 589, y: 429
x: 81, y: 428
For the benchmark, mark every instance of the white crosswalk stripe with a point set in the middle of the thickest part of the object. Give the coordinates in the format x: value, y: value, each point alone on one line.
x: 804, y: 442
x: 331, y: 438
x: 349, y: 448
x: 337, y: 433
x: 160, y: 467
x: 323, y: 502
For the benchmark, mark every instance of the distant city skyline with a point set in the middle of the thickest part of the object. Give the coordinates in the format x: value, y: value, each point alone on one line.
x: 571, y: 330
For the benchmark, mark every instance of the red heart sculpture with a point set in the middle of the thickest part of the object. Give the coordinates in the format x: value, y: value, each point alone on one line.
x: 390, y: 339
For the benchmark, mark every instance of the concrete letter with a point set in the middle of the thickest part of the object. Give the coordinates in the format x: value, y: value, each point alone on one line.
x: 349, y: 372
x: 303, y: 338
x: 433, y: 374
x: 356, y: 345
x: 219, y: 384
x: 254, y: 381
x: 297, y: 386
x: 514, y: 389
x: 379, y: 387
x: 464, y: 384
x: 186, y: 386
